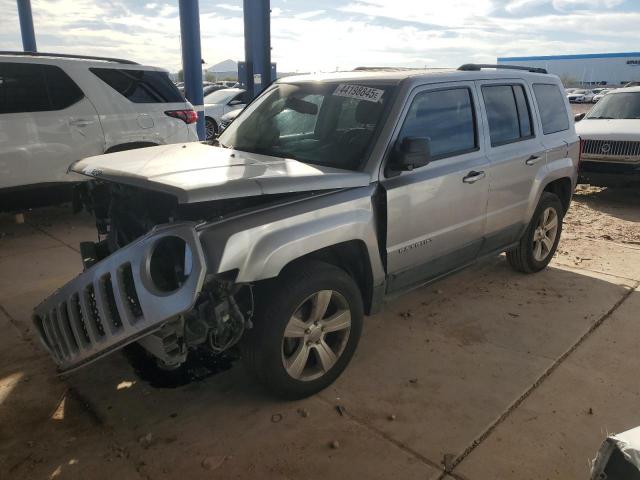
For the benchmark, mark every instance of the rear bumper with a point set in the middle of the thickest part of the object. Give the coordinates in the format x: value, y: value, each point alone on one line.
x: 115, y: 302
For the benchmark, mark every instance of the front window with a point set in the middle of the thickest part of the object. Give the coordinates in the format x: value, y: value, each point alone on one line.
x: 332, y: 124
x: 617, y: 105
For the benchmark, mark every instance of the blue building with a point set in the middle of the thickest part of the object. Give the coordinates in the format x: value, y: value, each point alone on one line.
x: 588, y: 69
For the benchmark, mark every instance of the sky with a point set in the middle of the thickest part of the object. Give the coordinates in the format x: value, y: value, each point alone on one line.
x: 325, y: 35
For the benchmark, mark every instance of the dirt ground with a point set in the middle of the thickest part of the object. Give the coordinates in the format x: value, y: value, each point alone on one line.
x: 488, y: 374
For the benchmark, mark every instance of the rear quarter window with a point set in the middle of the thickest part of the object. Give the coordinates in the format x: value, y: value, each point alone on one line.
x: 140, y: 86
x: 551, y: 105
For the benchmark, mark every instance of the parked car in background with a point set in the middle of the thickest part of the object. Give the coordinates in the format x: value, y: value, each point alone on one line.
x: 598, y: 96
x: 227, y: 83
x: 327, y: 195
x: 581, y: 96
x: 218, y: 103
x: 56, y: 109
x: 570, y: 90
x: 207, y: 89
x: 610, y: 135
x: 632, y: 84
x: 227, y: 118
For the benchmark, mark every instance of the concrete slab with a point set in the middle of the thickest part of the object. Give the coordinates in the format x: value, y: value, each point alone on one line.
x: 16, y: 239
x: 602, y: 256
x: 228, y: 421
x: 64, y: 225
x: 488, y: 340
x: 559, y: 427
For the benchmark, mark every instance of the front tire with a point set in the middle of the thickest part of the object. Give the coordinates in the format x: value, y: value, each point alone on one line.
x: 307, y: 325
x: 540, y: 241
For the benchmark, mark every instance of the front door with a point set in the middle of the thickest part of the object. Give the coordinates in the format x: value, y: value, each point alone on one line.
x: 436, y: 213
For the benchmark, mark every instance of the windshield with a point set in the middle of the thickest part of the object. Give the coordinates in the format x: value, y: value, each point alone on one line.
x: 220, y: 96
x: 324, y: 123
x: 617, y: 105
x: 580, y: 92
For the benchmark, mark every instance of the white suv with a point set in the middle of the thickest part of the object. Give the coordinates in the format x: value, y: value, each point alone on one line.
x: 56, y: 109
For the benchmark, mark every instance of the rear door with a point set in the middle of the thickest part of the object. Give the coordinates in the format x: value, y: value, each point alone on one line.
x: 46, y: 123
x: 132, y: 103
x: 516, y: 158
x: 436, y: 213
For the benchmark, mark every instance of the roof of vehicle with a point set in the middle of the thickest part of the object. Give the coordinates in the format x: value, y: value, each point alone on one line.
x: 69, y: 59
x: 396, y: 75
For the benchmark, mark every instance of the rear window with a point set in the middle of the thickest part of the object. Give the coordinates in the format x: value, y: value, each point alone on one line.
x: 140, y: 86
x: 31, y: 87
x: 508, y: 113
x: 553, y: 112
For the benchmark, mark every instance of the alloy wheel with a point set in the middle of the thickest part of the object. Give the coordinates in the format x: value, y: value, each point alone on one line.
x: 316, y: 335
x: 544, y: 236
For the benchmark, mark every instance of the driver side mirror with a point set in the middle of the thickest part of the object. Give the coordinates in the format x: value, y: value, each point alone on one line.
x: 579, y: 116
x: 410, y: 153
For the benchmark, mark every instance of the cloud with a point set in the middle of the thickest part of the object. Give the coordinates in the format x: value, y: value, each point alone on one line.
x: 342, y: 34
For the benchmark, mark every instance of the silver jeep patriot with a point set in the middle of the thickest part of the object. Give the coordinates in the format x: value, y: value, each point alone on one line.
x: 328, y: 194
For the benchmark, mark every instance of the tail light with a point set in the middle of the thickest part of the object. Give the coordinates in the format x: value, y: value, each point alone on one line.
x: 187, y: 116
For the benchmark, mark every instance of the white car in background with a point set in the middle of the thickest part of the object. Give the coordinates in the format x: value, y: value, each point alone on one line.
x: 598, y: 96
x: 610, y: 137
x: 581, y: 96
x: 227, y: 118
x: 56, y: 109
x: 218, y: 103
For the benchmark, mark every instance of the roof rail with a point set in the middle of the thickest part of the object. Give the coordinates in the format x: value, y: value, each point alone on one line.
x: 67, y: 55
x: 470, y: 67
x: 384, y: 69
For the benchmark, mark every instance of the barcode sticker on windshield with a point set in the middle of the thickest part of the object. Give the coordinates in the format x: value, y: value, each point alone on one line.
x: 359, y: 92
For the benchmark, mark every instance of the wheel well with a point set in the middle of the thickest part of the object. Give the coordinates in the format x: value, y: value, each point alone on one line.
x: 562, y: 189
x: 130, y: 146
x: 353, y: 258
x: 212, y: 119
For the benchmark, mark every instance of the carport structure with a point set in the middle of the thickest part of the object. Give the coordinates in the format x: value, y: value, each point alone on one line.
x: 257, y: 47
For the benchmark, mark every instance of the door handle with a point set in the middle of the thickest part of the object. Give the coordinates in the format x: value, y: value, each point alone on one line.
x: 473, y: 176
x: 532, y: 160
x: 80, y: 122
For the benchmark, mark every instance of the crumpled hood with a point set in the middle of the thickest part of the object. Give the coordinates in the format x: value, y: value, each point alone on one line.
x: 602, y: 129
x: 196, y: 172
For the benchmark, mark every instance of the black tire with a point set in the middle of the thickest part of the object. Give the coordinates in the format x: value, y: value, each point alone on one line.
x: 210, y: 128
x: 275, y: 303
x: 522, y: 257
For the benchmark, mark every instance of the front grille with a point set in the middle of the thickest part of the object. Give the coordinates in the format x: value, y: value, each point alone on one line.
x: 110, y: 304
x: 620, y: 150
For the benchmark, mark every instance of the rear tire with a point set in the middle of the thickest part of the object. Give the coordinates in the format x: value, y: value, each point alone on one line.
x: 540, y: 241
x: 307, y: 325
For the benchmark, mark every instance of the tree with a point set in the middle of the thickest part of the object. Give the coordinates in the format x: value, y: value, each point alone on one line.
x: 181, y: 75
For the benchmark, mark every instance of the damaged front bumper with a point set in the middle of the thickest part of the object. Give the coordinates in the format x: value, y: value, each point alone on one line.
x: 117, y: 301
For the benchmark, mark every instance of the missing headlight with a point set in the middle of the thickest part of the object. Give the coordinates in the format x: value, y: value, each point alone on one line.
x: 170, y: 264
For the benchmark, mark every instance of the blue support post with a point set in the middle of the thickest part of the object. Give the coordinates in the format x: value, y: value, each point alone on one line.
x: 26, y: 26
x: 192, y: 58
x: 257, y: 44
